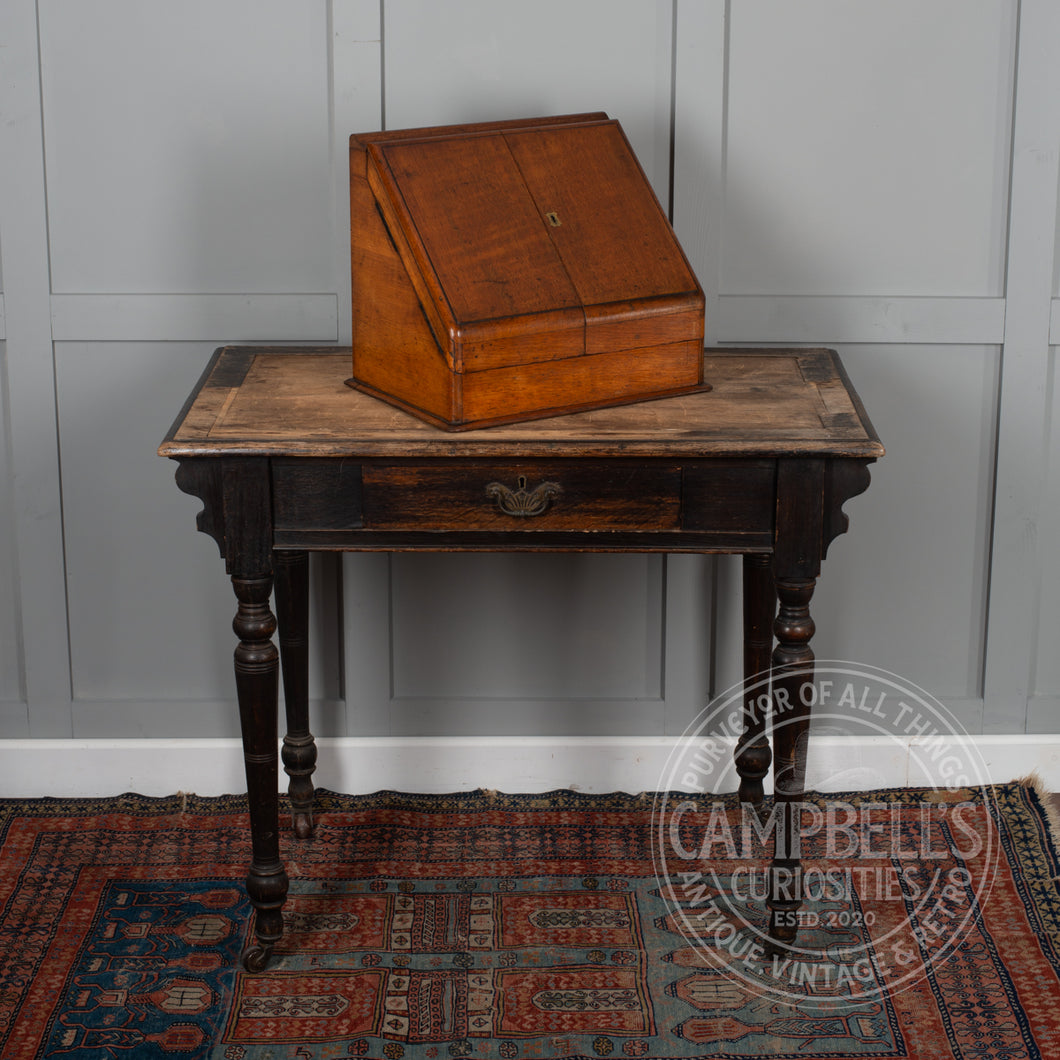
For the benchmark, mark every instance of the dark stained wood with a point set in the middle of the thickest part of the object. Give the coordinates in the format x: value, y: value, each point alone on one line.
x: 506, y: 271
x: 202, y: 479
x: 737, y: 496
x: 843, y: 479
x: 237, y: 513
x: 800, y: 519
x: 753, y: 755
x: 801, y: 506
x: 285, y: 458
x: 316, y: 494
x: 792, y: 673
x: 256, y: 665
x: 521, y: 539
x: 577, y: 496
x: 247, y: 500
x: 299, y: 752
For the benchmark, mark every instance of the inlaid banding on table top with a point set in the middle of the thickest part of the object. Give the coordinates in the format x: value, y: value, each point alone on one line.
x: 294, y: 401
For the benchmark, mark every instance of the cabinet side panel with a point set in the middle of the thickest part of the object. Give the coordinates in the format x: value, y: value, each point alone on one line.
x: 394, y: 350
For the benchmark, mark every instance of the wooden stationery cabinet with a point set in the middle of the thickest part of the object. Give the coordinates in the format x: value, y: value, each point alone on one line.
x: 512, y: 270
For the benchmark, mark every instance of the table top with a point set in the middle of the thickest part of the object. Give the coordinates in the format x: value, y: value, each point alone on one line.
x: 276, y: 401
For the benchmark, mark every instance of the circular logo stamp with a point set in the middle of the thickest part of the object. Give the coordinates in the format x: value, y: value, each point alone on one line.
x: 873, y: 887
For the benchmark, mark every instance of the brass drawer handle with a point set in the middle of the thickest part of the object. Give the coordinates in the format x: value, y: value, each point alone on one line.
x: 522, y: 502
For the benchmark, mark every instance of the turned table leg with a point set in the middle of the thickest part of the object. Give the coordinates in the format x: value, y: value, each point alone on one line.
x: 799, y: 547
x: 256, y: 665
x: 753, y: 755
x: 299, y: 748
x: 792, y: 698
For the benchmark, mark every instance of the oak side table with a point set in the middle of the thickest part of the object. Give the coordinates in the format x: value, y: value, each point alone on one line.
x: 287, y: 460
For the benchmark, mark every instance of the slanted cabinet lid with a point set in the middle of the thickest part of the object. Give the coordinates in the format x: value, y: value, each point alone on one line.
x: 533, y: 229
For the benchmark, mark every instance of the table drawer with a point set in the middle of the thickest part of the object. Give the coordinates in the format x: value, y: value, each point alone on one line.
x: 314, y: 495
x: 730, y: 497
x: 522, y: 496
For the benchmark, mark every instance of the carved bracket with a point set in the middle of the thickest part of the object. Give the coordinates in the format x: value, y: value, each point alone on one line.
x: 201, y: 477
x: 844, y: 478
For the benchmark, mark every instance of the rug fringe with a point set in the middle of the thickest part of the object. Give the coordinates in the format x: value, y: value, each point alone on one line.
x: 1035, y: 782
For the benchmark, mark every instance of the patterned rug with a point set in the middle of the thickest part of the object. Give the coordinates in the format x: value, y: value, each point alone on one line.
x: 510, y: 926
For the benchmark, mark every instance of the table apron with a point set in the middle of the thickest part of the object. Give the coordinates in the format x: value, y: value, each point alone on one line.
x: 657, y: 505
x: 518, y: 541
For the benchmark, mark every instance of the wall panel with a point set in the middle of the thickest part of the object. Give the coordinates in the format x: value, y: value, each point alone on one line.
x: 10, y: 665
x: 30, y: 427
x: 905, y: 589
x: 1056, y: 254
x: 1047, y: 656
x: 580, y: 635
x: 479, y: 60
x: 150, y: 606
x: 1045, y: 707
x: 877, y: 176
x: 866, y: 147
x: 858, y: 178
x: 1016, y: 560
x: 187, y: 146
x: 528, y: 645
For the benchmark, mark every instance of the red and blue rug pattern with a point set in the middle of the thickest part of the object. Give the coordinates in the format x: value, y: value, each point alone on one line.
x: 478, y: 925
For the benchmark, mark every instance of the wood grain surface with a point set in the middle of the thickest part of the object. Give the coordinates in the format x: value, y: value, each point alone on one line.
x: 489, y: 260
x: 294, y: 401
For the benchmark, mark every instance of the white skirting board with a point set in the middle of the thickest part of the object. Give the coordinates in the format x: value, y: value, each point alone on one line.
x: 90, y: 768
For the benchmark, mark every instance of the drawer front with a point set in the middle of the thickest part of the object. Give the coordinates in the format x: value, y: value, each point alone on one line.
x: 518, y: 496
x: 731, y: 497
x: 311, y: 494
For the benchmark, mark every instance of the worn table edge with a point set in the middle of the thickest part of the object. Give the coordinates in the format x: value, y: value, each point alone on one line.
x: 436, y: 442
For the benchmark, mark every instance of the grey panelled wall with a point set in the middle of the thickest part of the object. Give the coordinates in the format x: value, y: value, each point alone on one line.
x: 10, y: 676
x: 877, y: 176
x: 1045, y: 705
